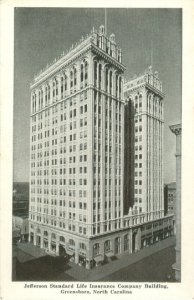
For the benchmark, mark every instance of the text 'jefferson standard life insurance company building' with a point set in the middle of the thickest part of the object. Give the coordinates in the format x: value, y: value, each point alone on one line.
x: 96, y: 187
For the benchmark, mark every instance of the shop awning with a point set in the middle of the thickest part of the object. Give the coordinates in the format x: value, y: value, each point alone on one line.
x: 69, y: 252
x: 109, y: 254
x: 98, y: 258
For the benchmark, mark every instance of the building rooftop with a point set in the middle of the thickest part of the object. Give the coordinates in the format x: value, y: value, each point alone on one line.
x: 148, y: 76
x: 89, y: 38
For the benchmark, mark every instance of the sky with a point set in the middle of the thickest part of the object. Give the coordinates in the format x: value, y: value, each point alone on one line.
x: 146, y: 36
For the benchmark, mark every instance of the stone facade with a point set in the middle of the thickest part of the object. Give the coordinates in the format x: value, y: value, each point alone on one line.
x: 144, y: 127
x: 77, y: 157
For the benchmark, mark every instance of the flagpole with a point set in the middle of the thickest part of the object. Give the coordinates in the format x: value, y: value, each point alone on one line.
x: 105, y: 16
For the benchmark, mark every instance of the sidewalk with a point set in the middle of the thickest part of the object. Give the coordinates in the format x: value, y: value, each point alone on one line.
x: 31, y: 250
x: 81, y: 274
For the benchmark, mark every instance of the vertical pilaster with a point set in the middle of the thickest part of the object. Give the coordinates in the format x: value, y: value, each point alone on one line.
x: 90, y: 117
x: 176, y: 129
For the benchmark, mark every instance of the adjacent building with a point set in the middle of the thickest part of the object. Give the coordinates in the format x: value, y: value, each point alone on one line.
x: 20, y: 211
x: 170, y: 197
x: 81, y: 157
x: 144, y: 130
x: 21, y: 199
x: 177, y: 130
x: 20, y: 228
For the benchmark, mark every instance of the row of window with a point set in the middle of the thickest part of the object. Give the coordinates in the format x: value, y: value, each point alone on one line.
x: 53, y: 222
x: 108, y: 78
x: 82, y: 170
x: 64, y: 192
x: 41, y: 98
x: 55, y: 202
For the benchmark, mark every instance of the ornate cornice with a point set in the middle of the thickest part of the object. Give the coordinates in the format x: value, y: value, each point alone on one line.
x: 144, y: 85
x: 155, y: 90
x: 47, y: 74
x: 107, y: 57
x: 65, y: 62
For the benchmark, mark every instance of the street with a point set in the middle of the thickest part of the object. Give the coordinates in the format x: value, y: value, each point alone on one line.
x: 149, y: 264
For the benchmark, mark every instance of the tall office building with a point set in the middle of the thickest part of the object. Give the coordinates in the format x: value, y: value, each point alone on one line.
x: 78, y: 153
x: 77, y: 133
x: 144, y: 130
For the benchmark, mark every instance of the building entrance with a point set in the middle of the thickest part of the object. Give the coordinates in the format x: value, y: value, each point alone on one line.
x: 38, y: 239
x: 62, y: 251
x: 82, y: 260
x: 31, y: 237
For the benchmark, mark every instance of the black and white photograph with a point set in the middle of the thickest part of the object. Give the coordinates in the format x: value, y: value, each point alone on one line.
x: 96, y: 188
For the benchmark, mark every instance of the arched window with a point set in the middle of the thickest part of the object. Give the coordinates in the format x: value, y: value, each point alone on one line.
x: 106, y: 80
x: 57, y: 83
x: 95, y: 73
x: 126, y: 242
x: 107, y: 245
x: 100, y: 76
x: 110, y: 82
x: 46, y: 94
x: 65, y: 83
x: 53, y: 88
x: 75, y: 76
x: 136, y: 102
x: 39, y: 98
x: 120, y: 85
x: 62, y: 83
x: 86, y: 71
x: 96, y: 249
x: 82, y: 73
x: 116, y: 81
x: 53, y: 236
x: 41, y: 92
x: 140, y: 102
x: 62, y: 239
x: 117, y: 245
x: 71, y: 242
x: 82, y: 246
x: 71, y: 79
x: 45, y: 233
x: 49, y: 93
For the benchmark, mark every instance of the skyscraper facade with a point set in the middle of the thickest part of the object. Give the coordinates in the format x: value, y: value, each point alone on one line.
x: 78, y: 199
x: 77, y: 115
x: 144, y: 129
